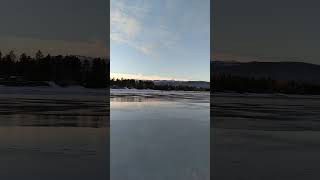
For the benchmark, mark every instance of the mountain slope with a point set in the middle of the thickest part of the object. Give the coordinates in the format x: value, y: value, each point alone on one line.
x: 298, y: 71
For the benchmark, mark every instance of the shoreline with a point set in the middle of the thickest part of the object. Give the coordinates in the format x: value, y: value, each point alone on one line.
x: 83, y: 87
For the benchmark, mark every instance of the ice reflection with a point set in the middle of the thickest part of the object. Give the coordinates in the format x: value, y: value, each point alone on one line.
x: 159, y: 135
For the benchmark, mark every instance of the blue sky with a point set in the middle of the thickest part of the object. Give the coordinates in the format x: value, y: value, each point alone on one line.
x: 168, y: 39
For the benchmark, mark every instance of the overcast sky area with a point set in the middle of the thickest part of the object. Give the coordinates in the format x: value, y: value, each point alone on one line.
x: 167, y: 39
x: 77, y: 27
x: 273, y: 30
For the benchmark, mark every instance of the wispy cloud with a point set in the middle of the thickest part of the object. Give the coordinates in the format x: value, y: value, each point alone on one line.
x: 129, y: 26
x: 169, y: 38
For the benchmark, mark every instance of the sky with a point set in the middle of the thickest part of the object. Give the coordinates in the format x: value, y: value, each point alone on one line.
x: 273, y: 30
x: 74, y: 27
x: 160, y: 40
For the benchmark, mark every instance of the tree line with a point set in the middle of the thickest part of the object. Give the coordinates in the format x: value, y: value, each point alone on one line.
x: 63, y: 70
x: 233, y: 83
x: 145, y: 84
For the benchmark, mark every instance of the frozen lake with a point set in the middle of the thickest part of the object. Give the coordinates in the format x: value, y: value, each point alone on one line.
x: 53, y: 133
x: 159, y: 135
x: 265, y: 136
x: 62, y: 133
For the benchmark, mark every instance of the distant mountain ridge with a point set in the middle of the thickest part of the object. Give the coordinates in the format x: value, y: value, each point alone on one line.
x: 197, y: 84
x: 297, y: 71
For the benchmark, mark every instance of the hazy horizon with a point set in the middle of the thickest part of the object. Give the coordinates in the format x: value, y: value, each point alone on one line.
x: 246, y: 59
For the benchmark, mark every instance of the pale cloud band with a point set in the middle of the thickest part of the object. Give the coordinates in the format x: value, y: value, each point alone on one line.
x: 138, y: 76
